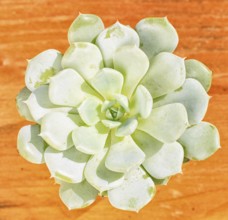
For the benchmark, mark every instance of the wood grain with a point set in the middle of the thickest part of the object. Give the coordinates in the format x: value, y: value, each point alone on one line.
x: 28, y: 27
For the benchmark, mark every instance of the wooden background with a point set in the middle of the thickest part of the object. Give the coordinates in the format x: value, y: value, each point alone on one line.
x: 28, y: 27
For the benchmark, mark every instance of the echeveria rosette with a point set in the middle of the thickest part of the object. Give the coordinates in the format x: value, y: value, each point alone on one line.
x: 117, y: 113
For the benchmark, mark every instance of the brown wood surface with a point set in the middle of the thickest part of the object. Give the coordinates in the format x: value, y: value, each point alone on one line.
x: 28, y: 27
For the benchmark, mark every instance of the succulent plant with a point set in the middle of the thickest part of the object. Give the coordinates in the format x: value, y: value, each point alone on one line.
x: 117, y: 113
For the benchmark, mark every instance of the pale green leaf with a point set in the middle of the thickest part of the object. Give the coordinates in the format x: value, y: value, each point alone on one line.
x: 99, y: 176
x: 83, y: 57
x: 127, y: 127
x: 166, y: 123
x: 77, y: 195
x: 192, y: 95
x: 200, y: 141
x: 134, y: 193
x: 41, y: 67
x: 56, y: 129
x: 110, y: 124
x: 133, y: 64
x: 85, y: 28
x: 30, y: 146
x: 124, y: 155
x: 197, y: 70
x: 67, y: 166
x: 166, y: 74
x: 156, y: 35
x: 112, y: 38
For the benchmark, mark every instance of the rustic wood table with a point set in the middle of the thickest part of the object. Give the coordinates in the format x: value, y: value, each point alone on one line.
x: 28, y: 27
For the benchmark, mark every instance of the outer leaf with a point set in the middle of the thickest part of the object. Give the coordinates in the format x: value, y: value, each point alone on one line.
x: 142, y: 102
x: 200, y: 141
x: 197, y: 70
x: 133, y: 64
x: 39, y: 104
x: 124, y: 155
x: 83, y: 57
x: 67, y: 166
x: 99, y: 176
x: 166, y: 74
x: 85, y: 28
x: 166, y: 123
x: 114, y: 37
x: 56, y: 128
x: 136, y: 191
x: 156, y: 35
x: 30, y: 146
x: 193, y: 96
x: 42, y: 67
x: 108, y: 82
x: 22, y: 106
x: 90, y: 140
x: 79, y: 195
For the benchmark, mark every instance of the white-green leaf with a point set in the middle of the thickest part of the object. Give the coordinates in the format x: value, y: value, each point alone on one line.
x: 67, y: 166
x: 192, y: 95
x: 30, y: 146
x: 68, y: 88
x: 22, y: 106
x: 156, y: 35
x: 197, y: 70
x: 114, y: 37
x: 90, y: 140
x: 85, y: 28
x: 77, y: 195
x: 83, y: 57
x: 99, y: 176
x: 134, y: 193
x: 39, y: 104
x: 133, y: 64
x: 141, y: 103
x: 127, y: 127
x: 166, y: 74
x: 110, y: 124
x: 108, y: 82
x: 200, y: 141
x: 124, y: 155
x: 41, y: 67
x: 166, y: 123
x: 89, y: 110
x: 56, y: 129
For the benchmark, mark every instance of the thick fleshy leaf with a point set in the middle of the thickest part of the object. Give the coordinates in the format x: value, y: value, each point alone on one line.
x: 22, y: 106
x: 142, y: 102
x: 85, y: 28
x: 127, y: 127
x: 166, y: 74
x: 136, y: 191
x: 156, y: 35
x: 162, y: 160
x: 42, y: 67
x: 56, y: 129
x: 108, y: 82
x: 83, y: 57
x: 200, y: 141
x: 111, y: 124
x: 124, y: 155
x: 39, y: 104
x: 89, y: 110
x: 166, y: 123
x: 30, y: 146
x: 68, y: 88
x: 161, y: 181
x: 197, y: 70
x: 192, y: 95
x: 114, y: 37
x: 133, y: 64
x: 67, y: 166
x: 90, y: 140
x: 77, y: 195
x: 99, y: 176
